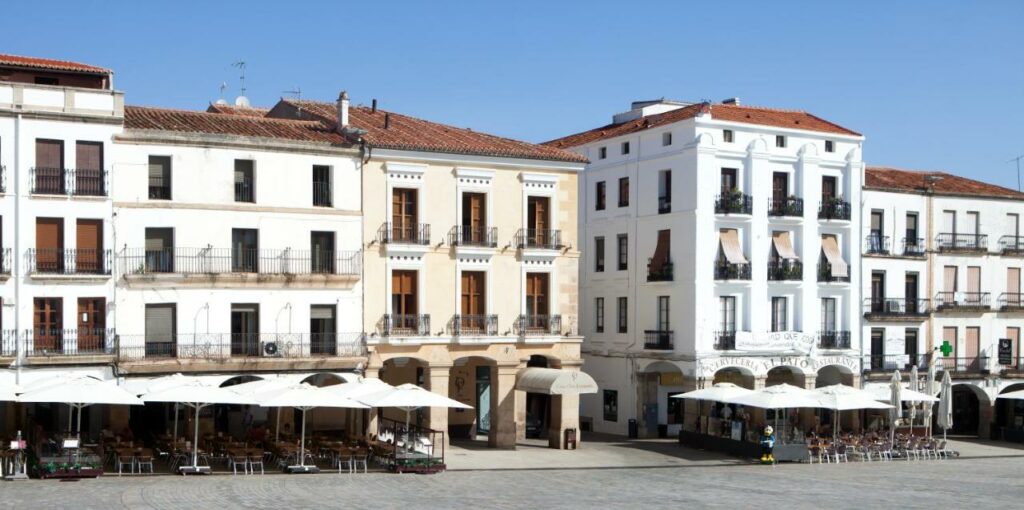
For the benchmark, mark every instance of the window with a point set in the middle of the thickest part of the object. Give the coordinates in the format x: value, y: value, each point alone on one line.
x: 623, y: 315
x: 625, y: 148
x: 727, y: 135
x: 910, y: 344
x: 599, y: 254
x: 161, y: 329
x: 159, y: 250
x: 666, y: 138
x: 611, y: 405
x: 728, y: 180
x: 322, y: 186
x: 780, y: 141
x: 599, y: 315
x: 602, y: 152
x: 47, y: 324
x: 779, y: 314
x: 89, y: 169
x: 912, y: 227
x: 663, y: 318
x: 624, y: 192
x: 48, y: 174
x: 92, y: 324
x: 404, y: 300
x: 830, y: 146
x: 727, y: 314
x: 601, y: 192
x: 245, y: 190
x: 244, y: 250
x: 405, y: 215
x: 623, y: 244
x: 321, y: 251
x: 664, y: 191
x: 323, y: 332
x: 245, y: 329
x: 160, y: 177
x: 49, y: 252
x: 828, y: 314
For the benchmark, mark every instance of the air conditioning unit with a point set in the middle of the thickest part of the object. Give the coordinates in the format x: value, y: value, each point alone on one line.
x: 271, y: 349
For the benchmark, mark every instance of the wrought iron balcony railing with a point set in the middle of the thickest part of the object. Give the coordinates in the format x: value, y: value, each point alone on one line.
x: 64, y: 342
x: 539, y: 325
x: 223, y: 346
x: 896, y: 307
x: 1011, y: 301
x: 393, y: 325
x: 62, y: 181
x: 825, y: 274
x: 734, y: 203
x: 663, y: 274
x: 914, y: 247
x: 245, y: 192
x: 962, y: 242
x: 5, y: 261
x: 474, y: 325
x: 1011, y: 245
x: 727, y: 271
x: 658, y: 340
x: 964, y: 365
x: 545, y: 239
x: 834, y: 209
x: 322, y: 194
x: 68, y: 262
x: 962, y: 301
x: 465, y: 235
x: 414, y: 233
x: 725, y: 340
x: 889, y: 362
x: 664, y: 205
x: 833, y: 339
x: 876, y: 244
x: 785, y: 270
x: 140, y: 261
x: 790, y: 206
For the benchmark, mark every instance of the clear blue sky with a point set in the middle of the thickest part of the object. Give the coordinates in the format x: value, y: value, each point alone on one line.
x: 932, y: 84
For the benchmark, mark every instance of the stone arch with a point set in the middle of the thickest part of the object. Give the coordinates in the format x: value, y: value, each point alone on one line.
x: 853, y: 155
x: 808, y: 150
x: 739, y: 376
x: 324, y: 379
x: 758, y: 144
x: 705, y: 140
x: 787, y: 374
x: 834, y: 374
x: 660, y: 367
x: 240, y: 379
x: 971, y: 410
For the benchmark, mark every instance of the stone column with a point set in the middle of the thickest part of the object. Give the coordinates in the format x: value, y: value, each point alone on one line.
x: 504, y: 422
x: 438, y: 383
x: 565, y: 414
x: 520, y: 401
x: 372, y: 420
x: 986, y: 415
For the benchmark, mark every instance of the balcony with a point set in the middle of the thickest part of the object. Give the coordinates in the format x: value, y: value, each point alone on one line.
x: 725, y: 340
x: 664, y: 205
x: 475, y: 325
x: 727, y: 271
x: 976, y: 365
x: 1011, y: 245
x: 538, y: 239
x: 785, y: 270
x: 833, y: 339
x: 481, y: 237
x: 886, y: 363
x: 538, y: 325
x: 417, y: 234
x: 913, y: 247
x: 964, y: 243
x: 322, y: 194
x: 45, y: 261
x: 47, y: 181
x: 882, y: 308
x: 212, y: 261
x: 64, y: 342
x: 658, y: 340
x: 1011, y: 302
x: 876, y: 244
x: 734, y: 203
x: 663, y: 274
x: 3, y: 179
x: 398, y: 325
x: 834, y: 209
x: 790, y: 206
x: 225, y: 346
x: 962, y: 301
x: 825, y: 274
x: 83, y: 182
x: 245, y: 192
x: 5, y: 263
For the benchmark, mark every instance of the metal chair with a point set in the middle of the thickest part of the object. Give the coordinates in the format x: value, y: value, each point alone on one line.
x: 346, y: 461
x: 145, y: 459
x: 255, y: 461
x: 360, y: 458
x: 239, y: 461
x: 125, y: 460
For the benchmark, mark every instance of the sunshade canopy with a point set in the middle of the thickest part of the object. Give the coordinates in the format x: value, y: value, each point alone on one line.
x: 721, y: 392
x: 839, y: 397
x: 305, y: 396
x: 82, y: 391
x: 360, y: 387
x: 884, y: 394
x: 781, y: 396
x: 198, y: 392
x: 830, y: 245
x: 409, y: 396
x: 784, y: 245
x: 730, y: 241
x: 1014, y: 395
x: 553, y: 381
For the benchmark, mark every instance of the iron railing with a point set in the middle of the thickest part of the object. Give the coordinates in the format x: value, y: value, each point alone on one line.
x: 876, y: 244
x: 322, y: 194
x: 1011, y: 301
x: 538, y: 325
x: 547, y: 239
x: 890, y: 362
x: 465, y: 235
x: 789, y: 206
x: 47, y: 180
x: 785, y: 270
x: 913, y: 247
x: 474, y: 325
x: 962, y: 301
x: 1011, y: 245
x: 734, y: 203
x: 725, y: 340
x: 729, y: 271
x: 245, y: 192
x: 159, y: 189
x: 140, y: 261
x: 415, y: 324
x: 3, y: 179
x: 90, y: 182
x: 5, y: 261
x: 62, y: 342
x: 825, y: 273
x: 658, y: 339
x: 962, y: 242
x: 833, y: 339
x: 220, y: 346
x: 896, y: 307
x: 964, y: 365
x: 663, y: 274
x: 62, y: 181
x: 664, y: 205
x: 414, y: 233
x: 68, y: 262
x: 834, y: 209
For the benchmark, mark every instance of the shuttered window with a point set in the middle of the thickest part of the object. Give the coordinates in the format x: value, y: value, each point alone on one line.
x: 160, y: 323
x: 160, y: 177
x: 89, y: 246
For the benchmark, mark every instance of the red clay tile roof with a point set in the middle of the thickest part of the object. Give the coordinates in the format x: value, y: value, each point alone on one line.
x: 894, y: 179
x: 46, y: 63
x: 410, y: 133
x: 247, y: 111
x: 164, y: 119
x: 792, y: 119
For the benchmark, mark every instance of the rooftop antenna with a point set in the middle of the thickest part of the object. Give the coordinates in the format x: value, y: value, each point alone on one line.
x: 296, y: 92
x: 1017, y: 160
x: 223, y: 86
x: 241, y: 100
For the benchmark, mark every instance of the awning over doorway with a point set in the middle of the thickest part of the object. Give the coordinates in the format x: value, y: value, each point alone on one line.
x: 554, y: 381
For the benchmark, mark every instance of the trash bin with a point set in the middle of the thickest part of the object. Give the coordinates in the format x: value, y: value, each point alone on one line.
x: 634, y: 431
x: 662, y: 431
x: 570, y: 439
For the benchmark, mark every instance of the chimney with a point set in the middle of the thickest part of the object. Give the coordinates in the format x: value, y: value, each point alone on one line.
x: 387, y: 120
x: 342, y: 110
x: 732, y: 100
x: 373, y: 109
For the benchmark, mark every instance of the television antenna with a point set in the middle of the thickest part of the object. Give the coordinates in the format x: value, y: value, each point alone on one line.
x: 1017, y: 160
x: 241, y: 66
x: 295, y: 92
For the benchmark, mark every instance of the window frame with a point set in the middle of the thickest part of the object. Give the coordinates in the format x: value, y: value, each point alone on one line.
x: 666, y: 139
x: 623, y: 314
x: 624, y: 191
x: 622, y: 249
x: 624, y: 148
x: 599, y: 256
x: 780, y: 141
x: 599, y: 315
x: 780, y: 317
x: 602, y: 153
x: 728, y: 136
x: 830, y: 146
x: 600, y: 195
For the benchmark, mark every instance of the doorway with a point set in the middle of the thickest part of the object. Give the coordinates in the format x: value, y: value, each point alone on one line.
x: 245, y: 319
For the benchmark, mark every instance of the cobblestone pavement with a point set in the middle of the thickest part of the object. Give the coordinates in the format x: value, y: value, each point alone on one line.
x: 990, y: 481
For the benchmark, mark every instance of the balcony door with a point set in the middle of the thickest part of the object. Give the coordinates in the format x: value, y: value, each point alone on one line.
x: 404, y: 214
x: 322, y: 252
x: 404, y: 305
x: 47, y: 324
x: 877, y: 349
x: 244, y: 250
x: 91, y: 323
x: 537, y: 305
x: 780, y: 186
x: 1013, y: 287
x: 829, y: 188
x: 160, y: 250
x: 910, y: 292
x: 538, y: 210
x: 474, y: 218
x: 972, y: 347
x: 245, y: 324
x: 89, y: 247
x: 828, y: 314
x: 910, y: 347
x: 877, y: 291
x: 161, y: 329
x: 323, y: 329
x: 726, y: 312
x: 728, y: 180
x: 49, y: 170
x: 89, y: 168
x: 875, y: 234
x: 473, y: 301
x: 50, y: 245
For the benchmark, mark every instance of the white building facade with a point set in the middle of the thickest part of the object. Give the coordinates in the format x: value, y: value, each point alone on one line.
x: 719, y: 245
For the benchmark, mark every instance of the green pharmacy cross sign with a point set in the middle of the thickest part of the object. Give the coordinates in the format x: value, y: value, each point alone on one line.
x: 946, y: 348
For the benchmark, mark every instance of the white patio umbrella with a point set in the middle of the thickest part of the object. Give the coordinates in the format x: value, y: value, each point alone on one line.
x: 945, y: 418
x: 721, y: 392
x: 79, y: 393
x: 914, y: 385
x: 361, y: 388
x: 884, y: 394
x: 839, y: 397
x: 780, y: 396
x: 197, y: 395
x: 929, y: 389
x: 896, y: 400
x: 409, y: 397
x: 1013, y: 395
x: 305, y: 397
x: 259, y: 387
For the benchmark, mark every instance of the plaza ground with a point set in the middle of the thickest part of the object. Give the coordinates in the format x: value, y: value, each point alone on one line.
x: 606, y: 473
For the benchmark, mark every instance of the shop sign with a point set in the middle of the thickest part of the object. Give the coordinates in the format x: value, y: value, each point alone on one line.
x: 1005, y: 351
x: 774, y: 341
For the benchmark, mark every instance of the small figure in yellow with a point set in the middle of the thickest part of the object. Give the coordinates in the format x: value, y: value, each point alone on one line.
x: 767, y: 445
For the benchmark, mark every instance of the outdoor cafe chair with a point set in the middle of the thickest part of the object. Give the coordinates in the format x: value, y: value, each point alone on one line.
x: 239, y: 460
x: 255, y: 461
x: 361, y: 458
x: 125, y: 459
x: 144, y: 459
x: 346, y: 461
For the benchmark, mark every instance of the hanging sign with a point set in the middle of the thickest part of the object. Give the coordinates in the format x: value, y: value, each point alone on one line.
x: 1005, y: 351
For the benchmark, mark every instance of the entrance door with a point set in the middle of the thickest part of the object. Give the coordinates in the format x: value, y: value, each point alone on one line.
x: 537, y: 317
x: 322, y: 330
x: 404, y: 218
x: 49, y: 245
x: 245, y: 321
x: 537, y: 221
x: 91, y: 324
x: 483, y: 400
x: 89, y: 247
x: 322, y: 252
x: 47, y: 325
x: 474, y: 218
